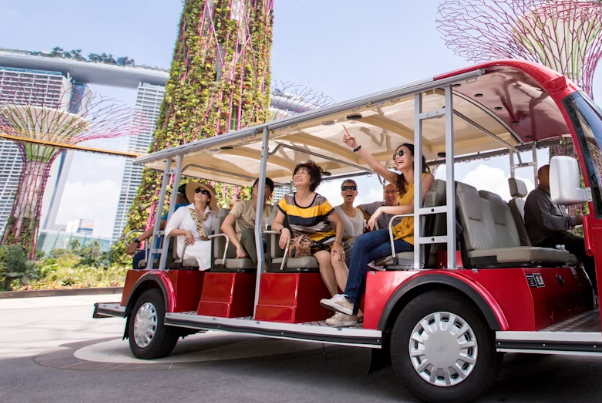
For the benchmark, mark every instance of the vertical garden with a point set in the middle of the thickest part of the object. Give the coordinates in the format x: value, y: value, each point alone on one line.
x: 219, y: 82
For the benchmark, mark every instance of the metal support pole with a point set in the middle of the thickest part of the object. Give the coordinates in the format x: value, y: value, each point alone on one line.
x: 417, y: 180
x: 512, y: 169
x: 450, y: 187
x: 172, y: 206
x: 534, y: 153
x: 259, y: 226
x: 158, y: 211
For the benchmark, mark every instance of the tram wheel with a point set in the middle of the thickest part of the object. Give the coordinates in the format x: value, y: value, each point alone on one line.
x: 442, y: 349
x: 148, y: 336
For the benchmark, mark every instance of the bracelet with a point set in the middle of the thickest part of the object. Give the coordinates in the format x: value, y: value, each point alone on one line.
x: 357, y: 149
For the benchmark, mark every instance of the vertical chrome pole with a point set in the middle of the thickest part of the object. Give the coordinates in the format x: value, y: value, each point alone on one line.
x: 417, y: 180
x: 259, y: 213
x: 450, y: 187
x: 534, y: 152
x: 512, y: 170
x: 172, y: 206
x: 158, y: 212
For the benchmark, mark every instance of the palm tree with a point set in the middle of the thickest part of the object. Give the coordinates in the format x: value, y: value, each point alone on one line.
x: 74, y: 244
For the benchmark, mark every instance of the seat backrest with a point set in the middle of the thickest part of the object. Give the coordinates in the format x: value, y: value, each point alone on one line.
x: 503, y: 220
x: 476, y: 218
x: 219, y: 243
x: 518, y: 190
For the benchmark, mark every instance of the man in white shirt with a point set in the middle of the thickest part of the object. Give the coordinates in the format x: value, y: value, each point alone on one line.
x: 239, y: 225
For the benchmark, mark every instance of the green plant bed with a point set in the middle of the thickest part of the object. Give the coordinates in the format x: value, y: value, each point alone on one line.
x: 56, y: 277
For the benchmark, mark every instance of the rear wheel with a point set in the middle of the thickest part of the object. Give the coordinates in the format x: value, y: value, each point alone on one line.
x: 149, y: 337
x: 442, y: 349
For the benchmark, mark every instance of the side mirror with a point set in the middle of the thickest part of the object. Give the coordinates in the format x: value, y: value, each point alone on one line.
x: 565, y: 181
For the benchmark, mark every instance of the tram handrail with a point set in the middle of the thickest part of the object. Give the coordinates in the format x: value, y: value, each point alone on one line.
x: 391, y: 238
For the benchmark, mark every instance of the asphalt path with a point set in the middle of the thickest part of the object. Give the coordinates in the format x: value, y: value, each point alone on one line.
x: 51, y: 350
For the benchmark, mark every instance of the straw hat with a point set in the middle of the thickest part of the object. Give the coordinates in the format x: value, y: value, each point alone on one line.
x: 192, y: 186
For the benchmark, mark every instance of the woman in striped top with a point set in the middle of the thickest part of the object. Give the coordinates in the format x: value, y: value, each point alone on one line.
x: 309, y: 213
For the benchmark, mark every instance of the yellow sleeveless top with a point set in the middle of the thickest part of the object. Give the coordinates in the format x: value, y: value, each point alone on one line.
x: 405, y: 229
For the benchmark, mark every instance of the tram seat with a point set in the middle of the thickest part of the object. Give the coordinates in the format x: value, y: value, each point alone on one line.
x: 219, y: 248
x: 518, y: 190
x: 490, y: 234
x: 433, y: 225
x: 276, y: 255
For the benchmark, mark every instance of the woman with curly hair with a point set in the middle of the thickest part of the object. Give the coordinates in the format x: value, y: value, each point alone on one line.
x: 376, y: 244
x: 310, y: 214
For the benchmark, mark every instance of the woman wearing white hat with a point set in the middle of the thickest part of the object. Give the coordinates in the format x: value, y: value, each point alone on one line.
x: 193, y: 224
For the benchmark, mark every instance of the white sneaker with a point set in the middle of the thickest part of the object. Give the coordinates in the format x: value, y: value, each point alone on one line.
x: 338, y: 303
x: 341, y: 320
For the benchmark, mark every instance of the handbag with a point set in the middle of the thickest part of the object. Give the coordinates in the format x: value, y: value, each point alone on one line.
x: 300, y: 246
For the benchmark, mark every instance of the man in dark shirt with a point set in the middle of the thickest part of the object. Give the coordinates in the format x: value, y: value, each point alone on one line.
x: 549, y: 225
x: 390, y: 196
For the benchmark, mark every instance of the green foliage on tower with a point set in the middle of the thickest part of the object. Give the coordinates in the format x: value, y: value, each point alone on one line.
x: 219, y: 82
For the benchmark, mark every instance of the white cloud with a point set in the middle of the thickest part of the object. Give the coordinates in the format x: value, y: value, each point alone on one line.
x: 92, y: 200
x: 494, y: 180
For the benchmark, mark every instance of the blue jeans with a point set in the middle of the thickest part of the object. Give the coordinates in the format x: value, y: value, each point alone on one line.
x: 140, y: 255
x: 368, y: 247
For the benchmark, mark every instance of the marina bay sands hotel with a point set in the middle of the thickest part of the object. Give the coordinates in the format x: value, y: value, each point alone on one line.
x: 57, y: 76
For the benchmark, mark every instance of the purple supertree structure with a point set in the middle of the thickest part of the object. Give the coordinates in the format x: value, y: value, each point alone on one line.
x: 564, y: 35
x: 289, y: 99
x: 40, y: 128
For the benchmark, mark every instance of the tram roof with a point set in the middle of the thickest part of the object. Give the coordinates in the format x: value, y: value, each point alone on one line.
x: 501, y: 104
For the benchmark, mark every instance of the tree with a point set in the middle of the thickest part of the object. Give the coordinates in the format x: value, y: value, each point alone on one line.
x: 74, y: 244
x: 15, y: 265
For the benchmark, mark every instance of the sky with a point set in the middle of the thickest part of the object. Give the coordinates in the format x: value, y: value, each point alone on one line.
x: 345, y: 48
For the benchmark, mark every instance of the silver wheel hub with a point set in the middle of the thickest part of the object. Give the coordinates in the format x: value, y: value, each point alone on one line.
x: 443, y: 349
x: 145, y: 324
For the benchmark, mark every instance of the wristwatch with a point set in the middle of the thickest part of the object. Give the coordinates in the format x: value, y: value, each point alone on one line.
x: 136, y: 240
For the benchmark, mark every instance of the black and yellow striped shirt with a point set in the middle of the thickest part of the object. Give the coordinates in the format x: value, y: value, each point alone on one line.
x: 311, y: 220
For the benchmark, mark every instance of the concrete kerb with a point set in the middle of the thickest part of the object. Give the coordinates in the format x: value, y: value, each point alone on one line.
x: 61, y: 292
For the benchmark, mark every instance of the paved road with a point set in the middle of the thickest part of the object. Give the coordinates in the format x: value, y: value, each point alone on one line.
x: 37, y: 336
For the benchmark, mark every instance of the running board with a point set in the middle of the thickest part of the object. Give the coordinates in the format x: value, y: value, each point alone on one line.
x: 545, y: 342
x: 108, y: 310
x: 313, y: 331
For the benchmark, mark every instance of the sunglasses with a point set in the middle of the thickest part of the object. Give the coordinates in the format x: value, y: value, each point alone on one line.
x: 344, y: 188
x: 397, y: 154
x: 202, y: 191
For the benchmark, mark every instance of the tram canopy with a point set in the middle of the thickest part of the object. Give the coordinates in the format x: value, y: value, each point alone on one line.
x: 496, y: 106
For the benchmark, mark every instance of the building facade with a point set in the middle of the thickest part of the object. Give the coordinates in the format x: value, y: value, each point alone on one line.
x: 148, y: 104
x: 32, y: 87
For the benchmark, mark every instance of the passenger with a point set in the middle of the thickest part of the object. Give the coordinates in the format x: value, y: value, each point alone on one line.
x: 181, y: 201
x: 376, y: 244
x: 355, y: 223
x: 239, y: 224
x: 192, y: 224
x: 309, y: 213
x: 549, y: 225
x: 390, y: 199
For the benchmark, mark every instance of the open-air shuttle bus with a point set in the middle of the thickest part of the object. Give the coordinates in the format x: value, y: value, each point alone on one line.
x: 472, y: 289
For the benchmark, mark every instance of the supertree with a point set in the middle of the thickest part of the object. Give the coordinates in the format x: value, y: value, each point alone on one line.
x: 41, y: 127
x: 219, y: 82
x: 564, y: 35
x: 288, y: 99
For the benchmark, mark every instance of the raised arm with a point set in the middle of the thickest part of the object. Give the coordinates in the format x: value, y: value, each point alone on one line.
x: 369, y: 158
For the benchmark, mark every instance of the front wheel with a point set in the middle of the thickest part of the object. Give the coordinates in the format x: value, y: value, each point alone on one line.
x: 149, y: 337
x: 442, y: 349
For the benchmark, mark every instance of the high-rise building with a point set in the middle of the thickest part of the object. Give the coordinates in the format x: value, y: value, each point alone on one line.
x: 148, y: 104
x: 32, y: 87
x: 80, y: 226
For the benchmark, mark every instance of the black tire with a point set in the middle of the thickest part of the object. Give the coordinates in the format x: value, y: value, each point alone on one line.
x: 488, y: 362
x: 164, y: 339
